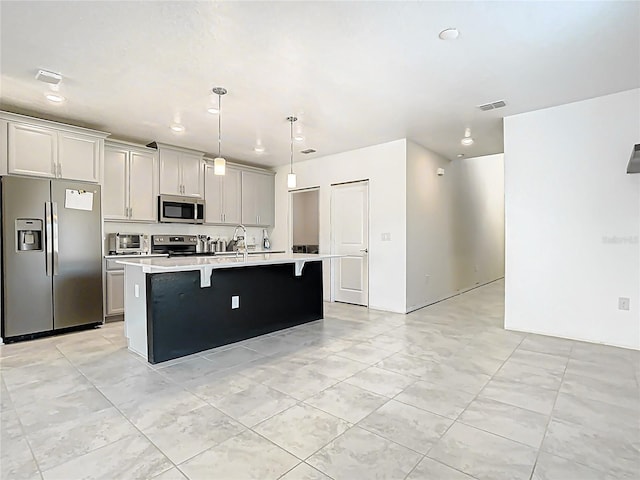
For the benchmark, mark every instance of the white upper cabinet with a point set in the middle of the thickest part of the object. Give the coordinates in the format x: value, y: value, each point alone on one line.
x: 191, y: 170
x: 180, y: 171
x: 222, y: 196
x: 232, y: 196
x: 130, y: 182
x: 48, y: 149
x: 116, y: 177
x: 258, y: 199
x: 143, y: 186
x: 32, y: 150
x: 170, y: 178
x: 79, y: 157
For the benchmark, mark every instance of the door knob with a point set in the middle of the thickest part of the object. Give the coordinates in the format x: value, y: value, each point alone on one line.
x: 365, y: 250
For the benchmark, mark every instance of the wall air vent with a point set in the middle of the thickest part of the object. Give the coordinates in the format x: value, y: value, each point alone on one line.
x: 308, y: 151
x: 492, y: 105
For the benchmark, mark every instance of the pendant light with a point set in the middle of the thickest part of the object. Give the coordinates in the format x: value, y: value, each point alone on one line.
x: 291, y: 177
x: 219, y: 163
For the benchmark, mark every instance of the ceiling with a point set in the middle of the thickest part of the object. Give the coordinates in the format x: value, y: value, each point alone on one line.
x: 355, y: 73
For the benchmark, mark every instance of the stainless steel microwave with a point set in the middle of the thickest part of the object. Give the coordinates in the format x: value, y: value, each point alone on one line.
x: 175, y: 209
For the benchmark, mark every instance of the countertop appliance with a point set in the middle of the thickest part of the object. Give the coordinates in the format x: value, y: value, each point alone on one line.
x: 51, y: 256
x: 176, y: 209
x: 128, y: 243
x: 174, y: 245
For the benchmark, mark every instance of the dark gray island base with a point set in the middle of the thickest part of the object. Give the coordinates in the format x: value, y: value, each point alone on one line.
x: 184, y: 318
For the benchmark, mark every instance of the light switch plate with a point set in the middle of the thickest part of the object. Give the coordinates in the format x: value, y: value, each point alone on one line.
x: 623, y: 303
x: 235, y: 302
x: 136, y: 290
x: 386, y: 237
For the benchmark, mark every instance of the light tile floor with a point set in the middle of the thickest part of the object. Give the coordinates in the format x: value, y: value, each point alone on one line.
x: 442, y: 393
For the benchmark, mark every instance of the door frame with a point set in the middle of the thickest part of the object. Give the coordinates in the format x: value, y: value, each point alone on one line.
x: 365, y: 181
x: 290, y: 216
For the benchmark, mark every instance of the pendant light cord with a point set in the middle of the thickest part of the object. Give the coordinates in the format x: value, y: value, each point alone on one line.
x: 291, y: 169
x: 219, y: 124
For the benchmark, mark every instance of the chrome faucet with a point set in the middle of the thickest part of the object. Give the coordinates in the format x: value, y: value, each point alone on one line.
x: 244, y: 241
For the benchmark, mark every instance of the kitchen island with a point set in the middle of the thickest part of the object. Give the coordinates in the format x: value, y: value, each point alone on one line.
x: 183, y: 305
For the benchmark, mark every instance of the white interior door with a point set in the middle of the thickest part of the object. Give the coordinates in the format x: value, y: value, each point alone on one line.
x: 350, y: 237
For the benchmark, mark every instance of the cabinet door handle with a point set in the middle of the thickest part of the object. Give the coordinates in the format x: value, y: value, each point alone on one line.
x: 59, y: 170
x: 130, y: 212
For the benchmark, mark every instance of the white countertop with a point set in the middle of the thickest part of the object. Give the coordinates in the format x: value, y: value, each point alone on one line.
x: 207, y: 264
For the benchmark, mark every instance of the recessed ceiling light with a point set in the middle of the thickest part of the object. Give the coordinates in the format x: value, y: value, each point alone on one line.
x: 54, y: 97
x: 213, y: 110
x: 460, y: 155
x: 258, y: 149
x: 449, y: 34
x: 298, y: 137
x: 177, y: 128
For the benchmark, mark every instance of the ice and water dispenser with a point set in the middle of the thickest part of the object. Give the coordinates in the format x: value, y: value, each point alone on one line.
x: 30, y: 234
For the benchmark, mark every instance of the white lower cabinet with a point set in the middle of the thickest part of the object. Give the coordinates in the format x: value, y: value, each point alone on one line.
x: 114, y: 292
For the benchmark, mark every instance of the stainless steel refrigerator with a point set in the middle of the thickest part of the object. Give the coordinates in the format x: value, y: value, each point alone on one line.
x: 51, y: 255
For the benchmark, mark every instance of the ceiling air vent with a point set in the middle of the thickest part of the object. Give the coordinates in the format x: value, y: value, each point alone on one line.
x: 308, y: 151
x: 492, y: 105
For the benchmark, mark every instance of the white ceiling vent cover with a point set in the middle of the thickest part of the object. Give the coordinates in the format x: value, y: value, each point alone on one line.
x: 48, y: 77
x: 492, y: 105
x: 308, y: 151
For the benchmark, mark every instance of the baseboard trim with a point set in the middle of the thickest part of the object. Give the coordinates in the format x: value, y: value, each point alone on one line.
x: 464, y: 290
x: 575, y: 339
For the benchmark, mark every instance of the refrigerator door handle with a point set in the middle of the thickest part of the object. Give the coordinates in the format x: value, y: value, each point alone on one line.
x: 48, y: 232
x: 54, y: 223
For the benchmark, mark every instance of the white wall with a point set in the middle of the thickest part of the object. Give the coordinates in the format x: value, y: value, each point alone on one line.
x: 478, y: 219
x: 573, y: 220
x: 385, y: 167
x: 455, y: 224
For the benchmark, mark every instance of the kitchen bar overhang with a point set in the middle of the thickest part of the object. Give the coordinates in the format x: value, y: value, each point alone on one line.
x: 184, y: 305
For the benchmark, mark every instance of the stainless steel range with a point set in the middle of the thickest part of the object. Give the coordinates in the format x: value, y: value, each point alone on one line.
x: 174, y: 245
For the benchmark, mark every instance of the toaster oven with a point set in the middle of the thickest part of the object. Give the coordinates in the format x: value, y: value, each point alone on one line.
x: 128, y: 243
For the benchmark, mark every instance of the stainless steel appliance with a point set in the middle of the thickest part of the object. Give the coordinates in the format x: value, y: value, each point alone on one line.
x: 51, y: 256
x: 128, y: 243
x: 174, y: 245
x: 175, y: 209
